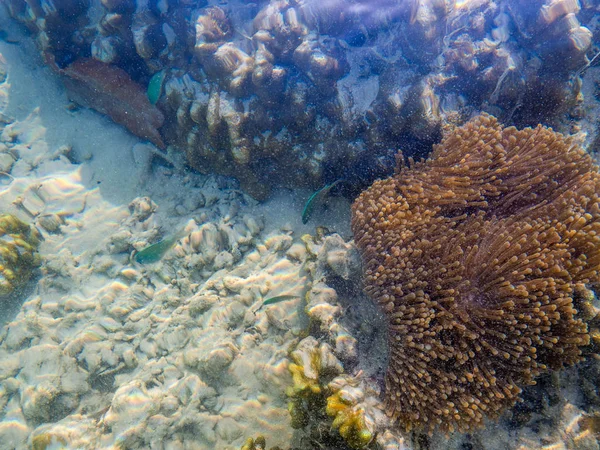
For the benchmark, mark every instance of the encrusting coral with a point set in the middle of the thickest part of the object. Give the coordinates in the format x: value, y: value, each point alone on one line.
x: 18, y: 252
x: 474, y: 256
x: 111, y: 91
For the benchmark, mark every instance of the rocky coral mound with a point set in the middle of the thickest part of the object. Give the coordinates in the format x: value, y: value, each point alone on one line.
x: 474, y: 256
x: 300, y: 93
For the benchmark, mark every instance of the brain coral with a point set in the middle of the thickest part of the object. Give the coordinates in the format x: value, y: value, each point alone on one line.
x: 474, y: 255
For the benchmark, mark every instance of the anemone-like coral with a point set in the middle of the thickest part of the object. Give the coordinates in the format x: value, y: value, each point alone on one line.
x: 474, y: 256
x: 18, y: 252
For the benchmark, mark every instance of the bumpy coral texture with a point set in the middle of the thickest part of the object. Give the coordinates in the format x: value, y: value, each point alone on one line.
x: 18, y: 253
x: 474, y: 255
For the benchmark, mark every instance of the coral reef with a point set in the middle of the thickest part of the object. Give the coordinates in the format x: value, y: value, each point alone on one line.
x: 259, y: 443
x: 302, y: 93
x: 350, y: 419
x: 110, y: 352
x: 474, y: 256
x: 183, y: 352
x: 18, y: 253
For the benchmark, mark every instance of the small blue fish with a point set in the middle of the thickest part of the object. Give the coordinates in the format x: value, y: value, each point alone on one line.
x: 277, y: 299
x: 155, y: 86
x: 318, y: 198
x: 155, y: 252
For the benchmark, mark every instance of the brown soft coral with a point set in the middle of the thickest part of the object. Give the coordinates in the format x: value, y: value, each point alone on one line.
x: 111, y: 91
x: 474, y: 255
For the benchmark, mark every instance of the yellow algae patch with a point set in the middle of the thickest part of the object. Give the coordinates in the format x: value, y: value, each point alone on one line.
x: 18, y: 253
x: 349, y: 420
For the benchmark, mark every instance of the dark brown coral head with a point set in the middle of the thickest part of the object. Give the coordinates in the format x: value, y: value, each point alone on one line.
x: 474, y: 255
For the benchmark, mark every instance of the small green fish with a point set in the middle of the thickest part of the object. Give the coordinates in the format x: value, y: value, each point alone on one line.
x: 278, y: 299
x: 156, y: 251
x: 155, y: 86
x: 318, y: 198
